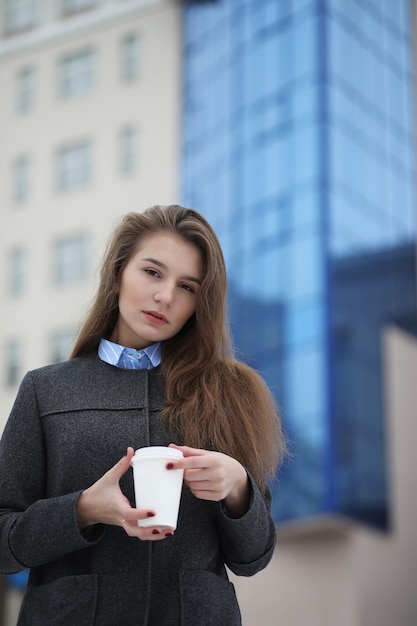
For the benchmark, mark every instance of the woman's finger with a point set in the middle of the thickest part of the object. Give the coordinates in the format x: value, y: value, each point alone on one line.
x: 121, y: 467
x: 188, y: 451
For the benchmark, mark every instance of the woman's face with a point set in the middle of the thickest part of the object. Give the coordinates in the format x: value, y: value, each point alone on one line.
x: 158, y: 290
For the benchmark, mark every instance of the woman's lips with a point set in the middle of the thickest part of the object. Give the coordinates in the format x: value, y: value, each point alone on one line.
x: 155, y: 317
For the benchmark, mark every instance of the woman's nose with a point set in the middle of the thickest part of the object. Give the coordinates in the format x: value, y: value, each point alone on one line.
x: 165, y: 294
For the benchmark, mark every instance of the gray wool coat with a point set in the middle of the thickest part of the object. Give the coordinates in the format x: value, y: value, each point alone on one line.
x: 70, y: 423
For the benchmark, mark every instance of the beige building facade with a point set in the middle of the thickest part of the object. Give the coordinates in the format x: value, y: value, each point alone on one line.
x: 89, y: 127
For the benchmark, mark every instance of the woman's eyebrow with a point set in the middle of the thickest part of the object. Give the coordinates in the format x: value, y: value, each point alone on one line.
x: 164, y: 267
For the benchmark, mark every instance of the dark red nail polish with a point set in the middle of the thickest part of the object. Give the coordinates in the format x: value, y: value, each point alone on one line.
x: 169, y: 534
x: 170, y: 466
x: 155, y: 531
x: 150, y: 514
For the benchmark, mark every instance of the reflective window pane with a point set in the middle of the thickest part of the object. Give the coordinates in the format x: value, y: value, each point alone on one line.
x: 76, y: 74
x: 70, y: 260
x: 25, y: 90
x: 73, y: 166
x: 130, y: 58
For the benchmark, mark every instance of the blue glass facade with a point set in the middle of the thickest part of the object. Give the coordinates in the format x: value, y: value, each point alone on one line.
x: 298, y: 147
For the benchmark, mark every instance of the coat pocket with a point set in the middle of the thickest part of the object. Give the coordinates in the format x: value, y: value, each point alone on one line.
x: 208, y: 600
x: 68, y: 601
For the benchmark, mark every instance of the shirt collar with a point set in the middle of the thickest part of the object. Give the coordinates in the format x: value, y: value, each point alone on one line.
x: 114, y: 354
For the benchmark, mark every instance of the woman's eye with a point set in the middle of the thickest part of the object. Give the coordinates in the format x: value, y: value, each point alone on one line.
x: 187, y: 287
x: 151, y: 272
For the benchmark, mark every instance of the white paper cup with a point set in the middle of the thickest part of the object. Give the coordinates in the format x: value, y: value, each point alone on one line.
x: 156, y: 488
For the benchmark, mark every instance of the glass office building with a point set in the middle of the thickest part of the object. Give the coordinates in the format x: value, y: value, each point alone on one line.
x: 298, y: 146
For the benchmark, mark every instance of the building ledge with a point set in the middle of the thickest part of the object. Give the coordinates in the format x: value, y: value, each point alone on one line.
x: 64, y: 27
x: 329, y: 526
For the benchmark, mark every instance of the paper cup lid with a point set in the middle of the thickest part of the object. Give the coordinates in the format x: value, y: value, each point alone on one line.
x: 158, y: 452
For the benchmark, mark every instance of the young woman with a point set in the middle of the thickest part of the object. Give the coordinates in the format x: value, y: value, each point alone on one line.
x: 153, y: 365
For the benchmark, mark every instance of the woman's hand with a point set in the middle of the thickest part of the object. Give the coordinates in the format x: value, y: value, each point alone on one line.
x: 104, y: 503
x: 215, y: 476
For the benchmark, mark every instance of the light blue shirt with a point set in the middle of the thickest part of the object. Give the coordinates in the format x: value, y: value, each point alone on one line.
x: 129, y: 358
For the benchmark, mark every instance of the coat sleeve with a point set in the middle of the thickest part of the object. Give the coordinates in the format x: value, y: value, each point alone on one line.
x: 248, y: 542
x: 34, y: 529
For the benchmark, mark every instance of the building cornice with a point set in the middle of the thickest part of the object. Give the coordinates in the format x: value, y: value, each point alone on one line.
x: 48, y: 33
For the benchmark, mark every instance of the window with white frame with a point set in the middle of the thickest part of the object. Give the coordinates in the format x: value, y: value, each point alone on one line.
x: 61, y: 344
x: 76, y: 74
x: 17, y: 270
x: 74, y: 6
x: 19, y: 15
x: 25, y: 90
x: 70, y: 260
x: 21, y: 180
x: 128, y: 150
x: 13, y: 363
x: 73, y: 165
x: 130, y: 58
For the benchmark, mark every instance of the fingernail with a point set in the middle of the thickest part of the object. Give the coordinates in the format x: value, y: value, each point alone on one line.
x: 155, y: 532
x: 169, y: 534
x: 150, y: 514
x: 170, y: 466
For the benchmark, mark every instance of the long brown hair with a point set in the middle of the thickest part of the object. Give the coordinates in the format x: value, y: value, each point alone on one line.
x: 212, y: 400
